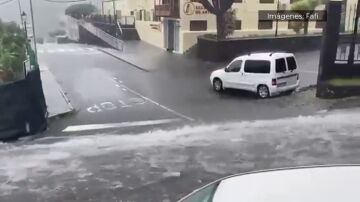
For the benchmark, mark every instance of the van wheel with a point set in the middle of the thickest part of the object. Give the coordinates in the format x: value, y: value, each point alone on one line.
x: 263, y: 92
x: 217, y: 85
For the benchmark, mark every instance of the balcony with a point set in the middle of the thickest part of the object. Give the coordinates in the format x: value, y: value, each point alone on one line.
x: 167, y: 8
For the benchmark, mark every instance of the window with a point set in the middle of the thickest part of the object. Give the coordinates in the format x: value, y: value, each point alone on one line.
x: 280, y: 65
x: 291, y: 63
x: 198, y: 25
x: 238, y: 1
x: 238, y: 25
x: 204, y: 195
x: 235, y: 66
x: 267, y: 1
x: 265, y: 24
x: 257, y: 66
x: 154, y: 17
x: 131, y: 12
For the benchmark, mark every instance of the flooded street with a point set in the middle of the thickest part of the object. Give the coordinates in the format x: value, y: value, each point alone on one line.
x: 166, y: 165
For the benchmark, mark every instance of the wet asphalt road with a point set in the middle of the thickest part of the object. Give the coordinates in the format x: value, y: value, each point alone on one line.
x: 153, y: 162
x: 163, y: 166
x: 105, y: 90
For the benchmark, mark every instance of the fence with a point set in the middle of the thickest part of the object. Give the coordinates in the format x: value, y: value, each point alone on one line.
x: 343, y: 50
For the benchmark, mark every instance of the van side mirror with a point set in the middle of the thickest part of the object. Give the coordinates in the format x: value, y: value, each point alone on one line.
x: 226, y: 69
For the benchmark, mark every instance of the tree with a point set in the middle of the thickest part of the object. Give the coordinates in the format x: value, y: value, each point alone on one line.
x: 308, y: 6
x: 12, y: 49
x: 80, y: 10
x: 218, y: 8
x: 229, y: 22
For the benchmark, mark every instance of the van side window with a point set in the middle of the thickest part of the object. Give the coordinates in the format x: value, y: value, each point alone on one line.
x: 291, y: 63
x: 257, y: 66
x: 235, y: 66
x: 280, y: 65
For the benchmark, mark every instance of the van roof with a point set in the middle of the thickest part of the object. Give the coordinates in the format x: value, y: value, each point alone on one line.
x: 264, y: 56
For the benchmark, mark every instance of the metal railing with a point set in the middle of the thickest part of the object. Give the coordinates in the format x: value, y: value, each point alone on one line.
x: 110, y: 40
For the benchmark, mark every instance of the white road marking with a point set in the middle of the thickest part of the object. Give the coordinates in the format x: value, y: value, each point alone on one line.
x: 117, y: 125
x: 108, y: 106
x: 40, y: 51
x: 159, y: 105
x: 60, y: 50
x: 94, y: 109
x: 123, y: 104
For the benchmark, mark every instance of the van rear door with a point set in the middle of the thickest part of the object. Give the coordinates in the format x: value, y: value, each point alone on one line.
x: 285, y: 76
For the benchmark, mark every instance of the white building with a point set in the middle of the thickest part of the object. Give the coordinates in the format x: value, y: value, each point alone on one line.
x: 176, y: 24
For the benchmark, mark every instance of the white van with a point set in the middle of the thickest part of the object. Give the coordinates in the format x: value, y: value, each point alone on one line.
x: 266, y: 74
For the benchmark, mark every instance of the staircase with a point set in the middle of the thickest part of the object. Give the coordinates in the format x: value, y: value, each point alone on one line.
x: 126, y: 28
x: 104, y: 36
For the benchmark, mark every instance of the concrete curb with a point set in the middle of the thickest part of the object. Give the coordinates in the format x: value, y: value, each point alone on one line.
x: 119, y: 58
x: 68, y: 108
x: 71, y: 108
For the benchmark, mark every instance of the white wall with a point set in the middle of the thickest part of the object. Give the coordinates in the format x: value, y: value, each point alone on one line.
x: 150, y: 35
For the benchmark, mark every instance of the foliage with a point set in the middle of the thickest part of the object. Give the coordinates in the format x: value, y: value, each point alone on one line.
x: 79, y: 10
x: 296, y: 26
x: 218, y: 8
x: 12, y: 48
x: 230, y: 22
x: 306, y: 5
x: 345, y: 81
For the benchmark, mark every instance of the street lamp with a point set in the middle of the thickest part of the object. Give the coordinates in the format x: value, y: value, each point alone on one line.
x: 33, y: 27
x: 23, y: 19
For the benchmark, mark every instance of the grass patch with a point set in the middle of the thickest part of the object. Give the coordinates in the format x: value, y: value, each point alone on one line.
x: 345, y: 82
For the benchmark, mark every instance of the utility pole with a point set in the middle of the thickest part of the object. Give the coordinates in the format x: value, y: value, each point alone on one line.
x: 102, y: 7
x: 33, y: 28
x: 20, y: 12
x: 352, y: 45
x: 114, y: 7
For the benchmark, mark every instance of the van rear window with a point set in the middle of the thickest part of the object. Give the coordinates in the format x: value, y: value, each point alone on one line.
x: 291, y: 63
x: 257, y: 66
x: 280, y: 65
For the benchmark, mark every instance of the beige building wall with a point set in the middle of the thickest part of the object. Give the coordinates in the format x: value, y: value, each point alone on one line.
x: 151, y: 32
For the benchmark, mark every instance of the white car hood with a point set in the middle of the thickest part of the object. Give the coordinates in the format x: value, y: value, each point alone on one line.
x: 218, y: 72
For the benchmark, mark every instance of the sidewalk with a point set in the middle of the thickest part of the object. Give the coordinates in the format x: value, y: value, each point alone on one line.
x: 150, y: 58
x: 56, y: 100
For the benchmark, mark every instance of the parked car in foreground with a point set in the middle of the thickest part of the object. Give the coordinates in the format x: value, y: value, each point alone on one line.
x: 303, y: 184
x: 266, y: 74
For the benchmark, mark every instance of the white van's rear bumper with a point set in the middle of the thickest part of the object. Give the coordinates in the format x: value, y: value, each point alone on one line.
x: 274, y: 90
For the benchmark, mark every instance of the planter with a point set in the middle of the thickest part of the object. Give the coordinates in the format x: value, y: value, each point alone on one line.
x: 328, y: 91
x: 210, y: 49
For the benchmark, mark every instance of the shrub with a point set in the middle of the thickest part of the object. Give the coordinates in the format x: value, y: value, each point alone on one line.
x: 12, y: 50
